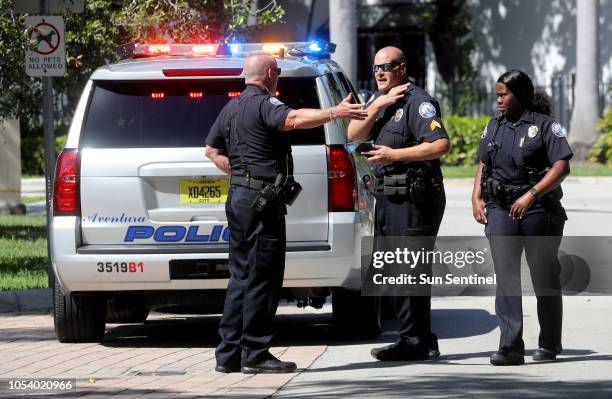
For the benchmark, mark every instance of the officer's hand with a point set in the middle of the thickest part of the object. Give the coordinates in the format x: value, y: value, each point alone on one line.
x: 521, y: 205
x: 347, y: 110
x: 381, y: 154
x: 393, y: 96
x: 479, y: 210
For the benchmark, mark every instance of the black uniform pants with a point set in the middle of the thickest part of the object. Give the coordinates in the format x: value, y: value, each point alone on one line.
x: 257, y: 264
x: 397, y: 216
x: 539, y: 233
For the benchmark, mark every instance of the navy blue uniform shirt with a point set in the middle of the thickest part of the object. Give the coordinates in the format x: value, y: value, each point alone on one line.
x: 535, y: 141
x: 411, y: 121
x: 264, y: 145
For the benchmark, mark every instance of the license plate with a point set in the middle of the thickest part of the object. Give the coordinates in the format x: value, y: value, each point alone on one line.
x: 208, y: 190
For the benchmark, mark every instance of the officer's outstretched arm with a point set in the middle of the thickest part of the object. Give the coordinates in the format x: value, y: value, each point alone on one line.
x: 219, y: 158
x: 306, y: 118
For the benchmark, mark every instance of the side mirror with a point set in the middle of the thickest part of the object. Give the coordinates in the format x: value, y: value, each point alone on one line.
x: 365, y: 95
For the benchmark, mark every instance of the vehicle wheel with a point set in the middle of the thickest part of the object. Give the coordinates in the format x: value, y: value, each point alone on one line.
x: 355, y: 316
x: 78, y: 318
x: 136, y: 314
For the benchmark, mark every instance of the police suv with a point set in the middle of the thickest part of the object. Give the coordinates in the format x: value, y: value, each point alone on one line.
x: 138, y: 210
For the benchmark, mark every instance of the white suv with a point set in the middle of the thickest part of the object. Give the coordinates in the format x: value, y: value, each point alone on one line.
x: 138, y: 210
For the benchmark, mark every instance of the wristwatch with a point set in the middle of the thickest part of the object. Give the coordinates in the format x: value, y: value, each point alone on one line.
x: 533, y: 191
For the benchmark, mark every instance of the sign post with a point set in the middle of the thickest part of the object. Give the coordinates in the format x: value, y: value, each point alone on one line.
x: 47, y: 59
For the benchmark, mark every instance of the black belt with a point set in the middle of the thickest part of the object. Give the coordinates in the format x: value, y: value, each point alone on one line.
x: 249, y: 182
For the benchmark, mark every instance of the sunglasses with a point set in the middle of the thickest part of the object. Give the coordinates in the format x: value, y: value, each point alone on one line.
x: 385, y: 67
x: 277, y: 70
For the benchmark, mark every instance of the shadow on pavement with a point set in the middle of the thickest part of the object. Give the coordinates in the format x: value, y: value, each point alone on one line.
x: 450, y: 385
x: 577, y: 355
x: 290, y: 330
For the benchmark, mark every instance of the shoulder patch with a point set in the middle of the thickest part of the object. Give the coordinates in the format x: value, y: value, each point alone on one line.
x: 427, y: 110
x: 275, y: 101
x: 558, y: 130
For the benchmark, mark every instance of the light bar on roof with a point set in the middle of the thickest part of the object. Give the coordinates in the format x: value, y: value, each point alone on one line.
x: 139, y: 50
x: 313, y: 49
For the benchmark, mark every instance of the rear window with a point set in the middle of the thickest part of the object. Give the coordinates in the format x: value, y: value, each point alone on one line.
x: 148, y: 114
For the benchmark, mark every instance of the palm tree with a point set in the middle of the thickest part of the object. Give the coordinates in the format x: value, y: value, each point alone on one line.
x: 343, y: 31
x: 586, y: 104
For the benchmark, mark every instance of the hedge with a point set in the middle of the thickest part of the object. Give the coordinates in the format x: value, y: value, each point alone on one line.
x: 464, y: 133
x: 33, y: 154
x: 602, y: 149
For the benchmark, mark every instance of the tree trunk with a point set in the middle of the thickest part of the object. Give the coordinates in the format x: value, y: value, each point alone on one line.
x: 343, y: 32
x: 583, y: 130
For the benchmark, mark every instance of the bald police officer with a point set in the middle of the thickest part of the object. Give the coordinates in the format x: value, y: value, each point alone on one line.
x: 248, y: 141
x: 405, y: 124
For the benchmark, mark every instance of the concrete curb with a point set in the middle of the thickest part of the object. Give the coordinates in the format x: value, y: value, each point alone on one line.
x: 23, y: 301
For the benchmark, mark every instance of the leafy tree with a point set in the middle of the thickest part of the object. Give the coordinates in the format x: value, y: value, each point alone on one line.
x: 92, y: 38
x: 451, y: 37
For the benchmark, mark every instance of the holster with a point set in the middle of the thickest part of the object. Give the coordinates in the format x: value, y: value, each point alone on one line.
x: 417, y: 184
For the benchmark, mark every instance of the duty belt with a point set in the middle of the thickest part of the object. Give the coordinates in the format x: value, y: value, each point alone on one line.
x: 249, y: 182
x: 503, y: 194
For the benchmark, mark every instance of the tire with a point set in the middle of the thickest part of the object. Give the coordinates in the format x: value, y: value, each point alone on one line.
x: 78, y: 318
x: 137, y: 314
x: 355, y: 316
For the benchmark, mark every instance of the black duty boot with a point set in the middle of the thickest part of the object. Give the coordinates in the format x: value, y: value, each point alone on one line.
x: 434, y: 350
x: 544, y: 355
x: 270, y: 364
x: 507, y: 358
x: 399, y: 351
x: 227, y: 368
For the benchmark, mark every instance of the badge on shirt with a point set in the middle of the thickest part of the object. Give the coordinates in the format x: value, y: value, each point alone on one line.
x: 532, y: 131
x: 558, y: 130
x: 398, y: 114
x: 427, y: 110
x: 275, y: 101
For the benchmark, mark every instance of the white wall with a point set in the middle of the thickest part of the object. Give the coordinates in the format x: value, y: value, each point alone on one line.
x: 10, y: 165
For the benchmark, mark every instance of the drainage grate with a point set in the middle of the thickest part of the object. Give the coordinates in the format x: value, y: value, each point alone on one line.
x: 159, y: 373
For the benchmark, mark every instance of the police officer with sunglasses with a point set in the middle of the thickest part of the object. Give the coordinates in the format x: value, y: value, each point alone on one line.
x: 405, y: 124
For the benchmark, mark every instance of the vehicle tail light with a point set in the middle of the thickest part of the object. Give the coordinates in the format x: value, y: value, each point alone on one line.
x: 233, y: 93
x: 196, y: 94
x: 342, y: 190
x: 66, y: 197
x: 157, y: 95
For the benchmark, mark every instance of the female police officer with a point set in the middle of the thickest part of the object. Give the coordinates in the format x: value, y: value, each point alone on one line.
x: 524, y: 156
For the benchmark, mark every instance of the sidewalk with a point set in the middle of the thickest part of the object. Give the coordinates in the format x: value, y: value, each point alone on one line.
x: 168, y: 356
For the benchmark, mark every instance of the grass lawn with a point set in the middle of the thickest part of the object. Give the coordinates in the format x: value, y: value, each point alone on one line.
x: 576, y: 170
x: 32, y: 200
x: 23, y: 252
